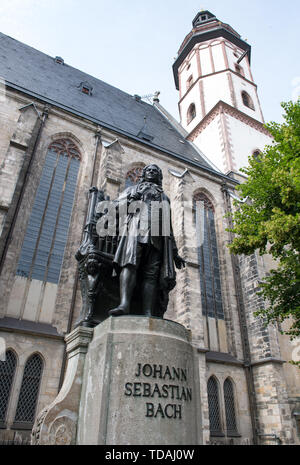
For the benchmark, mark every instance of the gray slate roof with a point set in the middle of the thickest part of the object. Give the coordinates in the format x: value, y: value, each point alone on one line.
x: 37, y: 74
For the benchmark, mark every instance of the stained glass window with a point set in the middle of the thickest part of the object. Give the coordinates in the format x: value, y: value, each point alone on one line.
x: 29, y: 391
x: 208, y: 259
x: 229, y: 407
x: 214, y: 407
x: 133, y: 176
x: 7, y: 372
x: 47, y: 229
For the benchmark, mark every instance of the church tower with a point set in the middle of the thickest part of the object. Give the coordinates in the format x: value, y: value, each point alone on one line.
x: 218, y: 100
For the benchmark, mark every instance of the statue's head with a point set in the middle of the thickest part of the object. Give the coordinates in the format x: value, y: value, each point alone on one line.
x: 152, y: 173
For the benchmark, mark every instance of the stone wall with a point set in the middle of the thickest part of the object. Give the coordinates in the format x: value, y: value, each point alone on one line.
x: 274, y: 415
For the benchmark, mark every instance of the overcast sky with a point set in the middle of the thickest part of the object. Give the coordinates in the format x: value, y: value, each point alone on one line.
x: 132, y: 44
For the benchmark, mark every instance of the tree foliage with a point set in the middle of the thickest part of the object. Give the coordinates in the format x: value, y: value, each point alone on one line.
x: 270, y: 218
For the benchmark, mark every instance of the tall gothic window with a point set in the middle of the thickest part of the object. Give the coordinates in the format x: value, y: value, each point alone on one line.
x: 214, y: 407
x: 208, y: 260
x: 7, y: 372
x: 229, y: 408
x: 191, y: 113
x: 29, y: 391
x: 47, y: 229
x: 133, y: 176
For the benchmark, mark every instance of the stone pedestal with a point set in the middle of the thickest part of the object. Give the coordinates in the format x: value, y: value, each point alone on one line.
x: 57, y: 423
x: 130, y: 380
x: 139, y: 385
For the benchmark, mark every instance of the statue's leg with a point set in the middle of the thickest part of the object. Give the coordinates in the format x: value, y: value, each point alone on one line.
x: 150, y: 282
x: 127, y: 285
x: 149, y: 296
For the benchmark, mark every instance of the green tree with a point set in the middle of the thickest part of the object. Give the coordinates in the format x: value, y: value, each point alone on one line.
x: 269, y: 220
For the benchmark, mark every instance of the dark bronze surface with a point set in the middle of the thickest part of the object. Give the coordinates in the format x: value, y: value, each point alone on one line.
x: 132, y: 273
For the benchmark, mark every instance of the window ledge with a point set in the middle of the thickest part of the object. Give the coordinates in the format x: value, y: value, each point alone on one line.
x: 30, y: 327
x: 22, y: 425
x: 222, y: 357
x: 233, y: 435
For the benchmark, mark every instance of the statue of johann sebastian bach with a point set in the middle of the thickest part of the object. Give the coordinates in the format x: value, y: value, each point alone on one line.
x: 145, y: 255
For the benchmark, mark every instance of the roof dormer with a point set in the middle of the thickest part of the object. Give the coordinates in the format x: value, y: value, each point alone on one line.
x: 203, y: 17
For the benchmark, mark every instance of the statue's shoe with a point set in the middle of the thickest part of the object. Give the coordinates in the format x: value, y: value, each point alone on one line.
x: 118, y: 311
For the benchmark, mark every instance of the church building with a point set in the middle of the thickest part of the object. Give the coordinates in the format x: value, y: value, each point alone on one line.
x: 63, y: 132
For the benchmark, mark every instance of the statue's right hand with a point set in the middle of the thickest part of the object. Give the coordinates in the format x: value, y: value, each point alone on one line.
x: 135, y: 196
x: 140, y: 189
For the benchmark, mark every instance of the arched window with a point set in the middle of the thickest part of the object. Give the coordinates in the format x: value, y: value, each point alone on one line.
x: 239, y: 69
x: 47, y: 229
x: 229, y: 408
x: 256, y: 155
x: 191, y: 113
x: 189, y: 82
x: 208, y: 260
x: 133, y: 176
x: 7, y: 372
x: 29, y: 391
x: 214, y: 407
x: 247, y: 100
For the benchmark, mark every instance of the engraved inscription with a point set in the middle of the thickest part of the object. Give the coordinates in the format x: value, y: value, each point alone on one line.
x: 167, y: 398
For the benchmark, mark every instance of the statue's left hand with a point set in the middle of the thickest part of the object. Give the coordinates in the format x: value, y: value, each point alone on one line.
x: 179, y: 262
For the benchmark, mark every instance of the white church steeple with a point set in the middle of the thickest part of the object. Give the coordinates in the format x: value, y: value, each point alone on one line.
x: 218, y: 101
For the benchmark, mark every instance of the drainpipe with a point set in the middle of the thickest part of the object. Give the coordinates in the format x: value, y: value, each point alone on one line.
x: 25, y: 172
x: 243, y: 326
x: 73, y: 300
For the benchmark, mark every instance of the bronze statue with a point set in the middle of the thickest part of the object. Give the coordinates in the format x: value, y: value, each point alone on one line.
x: 134, y: 268
x: 151, y: 256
